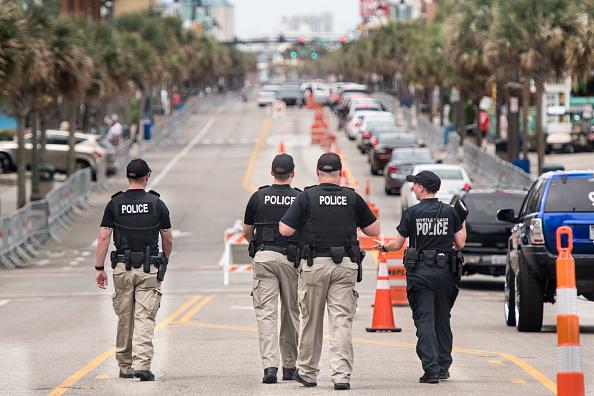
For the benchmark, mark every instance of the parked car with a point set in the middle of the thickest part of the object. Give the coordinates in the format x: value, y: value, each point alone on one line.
x: 111, y: 153
x: 555, y: 199
x: 267, y: 95
x: 321, y: 93
x: 454, y: 180
x: 485, y: 251
x: 87, y: 151
x: 382, y: 146
x: 374, y: 129
x: 291, y: 94
x: 400, y: 163
x: 356, y: 119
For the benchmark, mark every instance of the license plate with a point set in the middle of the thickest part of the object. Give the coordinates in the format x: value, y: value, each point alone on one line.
x: 592, y: 232
x: 557, y: 146
x: 472, y: 259
x: 498, y: 259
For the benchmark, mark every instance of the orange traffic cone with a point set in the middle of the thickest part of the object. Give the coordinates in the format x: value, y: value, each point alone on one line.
x: 281, y: 147
x: 367, y: 189
x: 383, y: 317
x: 397, y: 274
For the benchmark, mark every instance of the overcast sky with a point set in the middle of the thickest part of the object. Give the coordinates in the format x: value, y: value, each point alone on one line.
x: 260, y: 17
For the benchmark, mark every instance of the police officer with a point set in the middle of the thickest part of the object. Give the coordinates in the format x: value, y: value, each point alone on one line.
x: 136, y: 218
x: 274, y: 270
x: 433, y: 229
x: 326, y: 217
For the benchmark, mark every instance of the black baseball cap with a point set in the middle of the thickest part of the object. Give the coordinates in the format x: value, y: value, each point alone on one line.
x: 283, y: 164
x: 137, y: 168
x: 427, y: 179
x: 329, y: 162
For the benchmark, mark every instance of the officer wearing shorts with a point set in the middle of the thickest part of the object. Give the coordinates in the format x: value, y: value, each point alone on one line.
x: 274, y: 272
x: 327, y: 217
x: 136, y: 218
x: 433, y: 229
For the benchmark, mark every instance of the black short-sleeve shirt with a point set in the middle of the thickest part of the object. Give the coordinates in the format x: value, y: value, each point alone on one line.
x: 418, y: 223
x: 164, y: 220
x: 295, y: 216
x: 250, y: 210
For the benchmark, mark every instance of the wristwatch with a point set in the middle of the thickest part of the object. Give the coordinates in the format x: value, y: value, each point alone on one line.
x: 384, y: 249
x: 98, y: 268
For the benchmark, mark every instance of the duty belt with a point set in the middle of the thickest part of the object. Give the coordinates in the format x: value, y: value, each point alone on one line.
x: 273, y: 248
x: 120, y: 258
x: 326, y: 253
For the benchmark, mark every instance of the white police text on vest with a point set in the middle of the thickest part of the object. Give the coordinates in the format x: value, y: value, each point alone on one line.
x: 333, y: 200
x: 426, y: 226
x: 140, y: 208
x: 278, y: 200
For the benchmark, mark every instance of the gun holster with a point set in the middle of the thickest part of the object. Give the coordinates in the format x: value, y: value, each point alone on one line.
x: 337, y: 253
x: 146, y: 265
x: 411, y: 258
x: 308, y: 254
x: 292, y: 254
x: 113, y: 258
x: 127, y: 259
x: 252, y: 248
x: 360, y: 265
x: 163, y: 262
x: 441, y: 259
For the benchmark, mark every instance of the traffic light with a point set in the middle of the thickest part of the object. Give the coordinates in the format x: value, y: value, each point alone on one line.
x: 301, y: 40
x: 293, y: 54
x: 314, y: 55
x: 342, y: 39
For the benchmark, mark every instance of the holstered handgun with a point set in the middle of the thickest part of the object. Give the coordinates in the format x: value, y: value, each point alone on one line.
x: 459, y: 260
x: 337, y: 254
x: 293, y: 255
x: 163, y: 262
x: 146, y: 266
x: 411, y: 257
x: 252, y: 249
x: 113, y: 257
x: 360, y: 265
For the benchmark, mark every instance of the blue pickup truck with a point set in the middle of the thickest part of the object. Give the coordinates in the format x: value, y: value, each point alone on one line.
x: 555, y: 199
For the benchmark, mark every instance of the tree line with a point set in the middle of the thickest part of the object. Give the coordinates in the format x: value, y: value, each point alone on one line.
x: 474, y: 46
x: 78, y: 67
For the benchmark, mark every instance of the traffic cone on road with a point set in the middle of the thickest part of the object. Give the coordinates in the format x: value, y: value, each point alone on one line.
x: 281, y: 147
x: 383, y: 316
x: 397, y: 274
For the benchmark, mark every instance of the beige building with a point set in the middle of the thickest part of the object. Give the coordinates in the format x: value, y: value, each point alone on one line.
x: 121, y: 7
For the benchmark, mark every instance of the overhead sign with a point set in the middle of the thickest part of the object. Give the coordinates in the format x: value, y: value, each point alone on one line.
x: 373, y: 8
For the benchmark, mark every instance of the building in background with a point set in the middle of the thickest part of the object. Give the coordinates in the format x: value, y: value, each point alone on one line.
x: 223, y: 17
x: 121, y: 7
x: 377, y: 13
x: 308, y: 25
x: 81, y: 8
x: 216, y: 17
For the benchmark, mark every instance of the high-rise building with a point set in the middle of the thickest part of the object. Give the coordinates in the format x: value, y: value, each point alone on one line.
x: 307, y: 24
x: 216, y: 17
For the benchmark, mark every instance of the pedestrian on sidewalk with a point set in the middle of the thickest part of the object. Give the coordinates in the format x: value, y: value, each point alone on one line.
x: 136, y: 218
x: 326, y: 217
x: 274, y: 270
x: 432, y: 272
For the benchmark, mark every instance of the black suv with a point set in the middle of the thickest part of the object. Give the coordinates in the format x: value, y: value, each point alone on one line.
x: 485, y: 251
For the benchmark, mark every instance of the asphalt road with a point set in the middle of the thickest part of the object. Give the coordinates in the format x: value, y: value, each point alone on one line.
x: 57, y: 330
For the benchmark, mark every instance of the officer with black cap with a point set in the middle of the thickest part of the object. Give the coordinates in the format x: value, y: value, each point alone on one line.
x: 434, y: 229
x: 274, y: 270
x: 136, y: 218
x: 327, y: 217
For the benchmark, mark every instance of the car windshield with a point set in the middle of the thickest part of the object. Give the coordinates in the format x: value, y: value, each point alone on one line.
x: 396, y: 139
x: 385, y: 124
x: 290, y: 89
x: 484, y: 207
x: 579, y: 189
x: 368, y: 108
x: 412, y: 155
x: 448, y: 174
x: 269, y: 88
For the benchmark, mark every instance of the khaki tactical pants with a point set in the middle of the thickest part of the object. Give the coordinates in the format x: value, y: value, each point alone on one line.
x: 275, y: 276
x: 326, y: 283
x: 136, y: 300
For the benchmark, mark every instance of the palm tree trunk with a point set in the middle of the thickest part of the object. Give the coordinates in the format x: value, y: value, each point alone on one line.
x: 35, y: 158
x: 477, y: 117
x: 540, y: 143
x: 498, y: 104
x: 42, y: 136
x: 21, y: 164
x: 71, y: 168
x: 525, y: 126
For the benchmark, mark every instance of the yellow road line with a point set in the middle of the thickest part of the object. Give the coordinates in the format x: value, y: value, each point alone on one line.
x: 529, y: 369
x: 247, y: 177
x: 90, y: 366
x: 186, y: 318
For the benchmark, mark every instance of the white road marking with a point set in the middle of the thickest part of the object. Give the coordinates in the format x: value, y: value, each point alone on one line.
x: 231, y: 140
x: 246, y: 307
x: 4, y: 302
x: 78, y: 259
x: 85, y: 253
x: 73, y: 263
x: 43, y: 262
x: 207, y: 141
x: 180, y: 233
x: 219, y: 141
x: 94, y: 243
x: 181, y: 154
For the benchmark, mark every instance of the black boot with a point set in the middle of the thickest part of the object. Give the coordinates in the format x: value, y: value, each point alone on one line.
x: 303, y: 382
x: 289, y: 374
x: 342, y: 386
x: 126, y: 375
x: 144, y: 375
x: 270, y: 375
x: 444, y: 375
x: 429, y: 379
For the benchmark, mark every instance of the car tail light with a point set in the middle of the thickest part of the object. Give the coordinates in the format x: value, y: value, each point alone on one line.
x: 392, y: 169
x: 367, y: 135
x: 383, y: 151
x: 374, y: 142
x: 467, y: 187
x: 97, y: 154
x: 536, y: 232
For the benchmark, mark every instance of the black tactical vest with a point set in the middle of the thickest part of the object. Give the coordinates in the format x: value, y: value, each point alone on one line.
x: 136, y: 222
x: 331, y: 219
x: 273, y: 202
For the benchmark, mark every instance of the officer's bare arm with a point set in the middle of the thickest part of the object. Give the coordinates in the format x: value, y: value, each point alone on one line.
x: 167, y: 240
x: 285, y: 230
x: 248, y: 232
x: 102, y: 245
x: 460, y: 237
x: 396, y: 244
x: 372, y: 230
